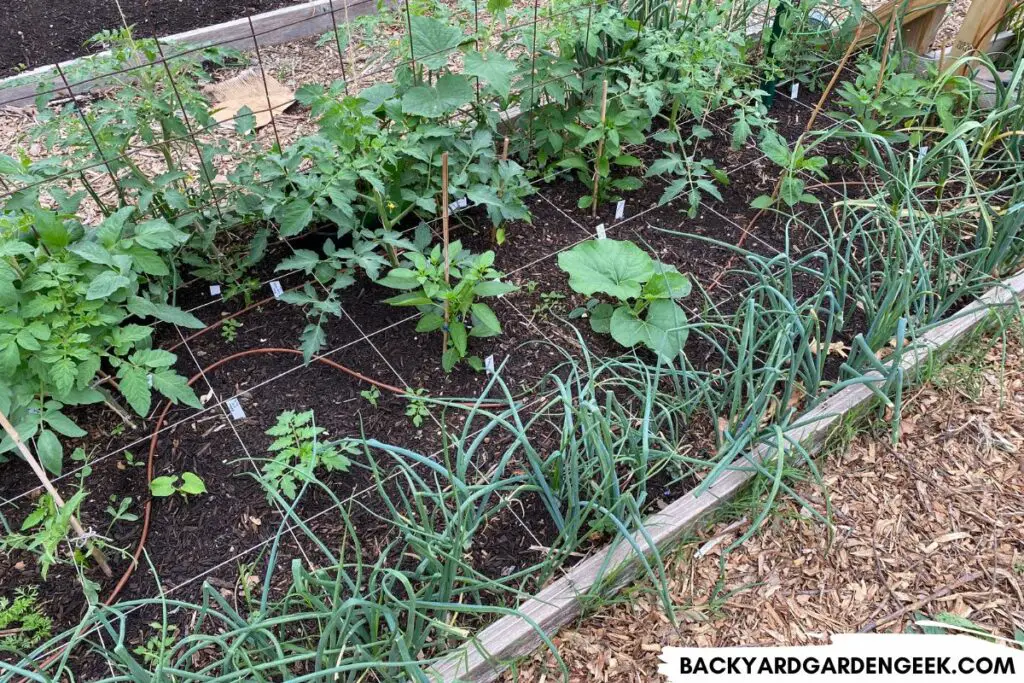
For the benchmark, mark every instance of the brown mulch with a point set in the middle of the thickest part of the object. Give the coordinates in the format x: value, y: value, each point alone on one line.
x: 934, y: 524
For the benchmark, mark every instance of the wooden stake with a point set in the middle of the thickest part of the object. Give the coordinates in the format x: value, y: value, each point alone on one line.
x: 444, y: 237
x: 885, y: 54
x: 58, y: 500
x: 501, y: 190
x: 600, y: 145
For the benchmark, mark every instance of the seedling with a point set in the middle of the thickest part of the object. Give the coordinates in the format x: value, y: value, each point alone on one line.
x: 187, y: 484
x: 548, y: 302
x: 229, y: 329
x: 298, y: 451
x: 44, y: 530
x: 131, y: 461
x: 645, y: 293
x: 120, y: 513
x: 157, y: 649
x: 22, y: 622
x: 417, y: 410
x: 371, y: 395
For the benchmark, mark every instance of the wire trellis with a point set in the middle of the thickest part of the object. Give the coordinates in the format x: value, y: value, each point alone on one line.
x: 631, y: 224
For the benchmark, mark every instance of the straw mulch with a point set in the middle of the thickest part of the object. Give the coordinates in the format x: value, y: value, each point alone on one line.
x: 932, y: 525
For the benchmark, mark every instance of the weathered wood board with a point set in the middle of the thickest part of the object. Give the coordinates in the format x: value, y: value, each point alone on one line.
x: 270, y: 28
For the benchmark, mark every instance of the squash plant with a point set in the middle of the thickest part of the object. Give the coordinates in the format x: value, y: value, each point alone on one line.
x: 644, y: 292
x: 72, y: 301
x: 451, y: 304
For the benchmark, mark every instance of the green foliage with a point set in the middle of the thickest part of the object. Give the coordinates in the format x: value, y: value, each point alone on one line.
x: 596, y: 149
x: 44, y: 530
x: 22, y: 622
x: 186, y: 484
x: 229, y: 329
x: 372, y: 395
x: 70, y: 297
x: 145, y: 109
x: 448, y: 296
x: 644, y: 292
x: 297, y: 453
x: 796, y: 165
x: 902, y: 98
x: 155, y: 652
x: 417, y: 410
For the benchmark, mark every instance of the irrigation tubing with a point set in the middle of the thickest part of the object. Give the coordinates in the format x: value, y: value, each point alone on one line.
x: 154, y: 440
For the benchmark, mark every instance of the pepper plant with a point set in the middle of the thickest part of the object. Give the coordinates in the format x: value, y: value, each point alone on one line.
x: 448, y: 295
x: 595, y: 149
x: 794, y: 163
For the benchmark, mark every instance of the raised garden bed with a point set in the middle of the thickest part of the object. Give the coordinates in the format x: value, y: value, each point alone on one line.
x: 447, y: 479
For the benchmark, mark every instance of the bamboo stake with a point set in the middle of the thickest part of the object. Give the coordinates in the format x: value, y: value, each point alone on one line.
x: 58, y: 500
x: 885, y: 54
x: 778, y: 182
x: 600, y: 145
x: 501, y: 190
x: 444, y: 237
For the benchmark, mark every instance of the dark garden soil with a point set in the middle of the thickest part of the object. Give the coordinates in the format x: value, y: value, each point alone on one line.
x: 39, y: 33
x: 222, y: 537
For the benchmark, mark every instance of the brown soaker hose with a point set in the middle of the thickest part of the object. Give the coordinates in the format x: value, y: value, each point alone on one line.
x: 155, y: 439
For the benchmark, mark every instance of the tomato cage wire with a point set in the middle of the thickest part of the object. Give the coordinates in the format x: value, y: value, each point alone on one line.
x: 78, y: 90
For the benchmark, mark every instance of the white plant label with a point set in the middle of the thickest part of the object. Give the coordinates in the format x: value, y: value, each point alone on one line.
x: 921, y: 152
x: 459, y: 204
x: 620, y: 210
x: 235, y: 408
x: 794, y: 90
x: 214, y: 290
x: 149, y: 380
x: 276, y: 288
x: 489, y: 364
x: 601, y: 234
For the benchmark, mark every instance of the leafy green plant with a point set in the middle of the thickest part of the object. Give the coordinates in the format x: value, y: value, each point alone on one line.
x: 417, y: 410
x: 644, y: 291
x: 144, y: 108
x: 72, y: 302
x: 120, y: 513
x: 549, y: 301
x: 229, y: 329
x: 790, y: 189
x: 372, y: 395
x: 298, y: 452
x: 157, y: 648
x: 448, y: 296
x: 596, y: 150
x: 22, y: 621
x: 185, y: 484
x: 882, y: 103
x: 44, y: 530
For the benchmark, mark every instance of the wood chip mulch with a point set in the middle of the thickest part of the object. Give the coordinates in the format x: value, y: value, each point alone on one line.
x: 934, y: 524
